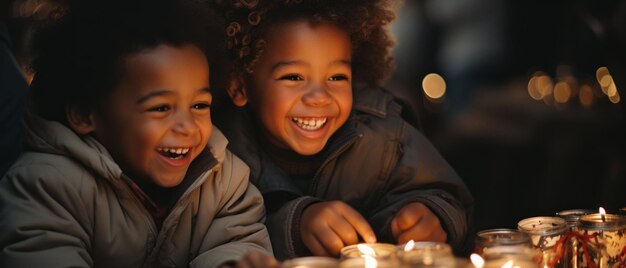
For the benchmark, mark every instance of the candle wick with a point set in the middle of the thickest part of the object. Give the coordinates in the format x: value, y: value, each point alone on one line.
x: 603, y: 218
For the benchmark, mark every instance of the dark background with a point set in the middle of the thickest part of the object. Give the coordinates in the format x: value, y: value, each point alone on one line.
x: 520, y: 157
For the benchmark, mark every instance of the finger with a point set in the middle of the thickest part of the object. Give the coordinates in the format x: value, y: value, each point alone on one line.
x: 410, y: 215
x: 345, y: 231
x: 359, y: 223
x: 314, y: 245
x: 428, y: 229
x: 331, y: 242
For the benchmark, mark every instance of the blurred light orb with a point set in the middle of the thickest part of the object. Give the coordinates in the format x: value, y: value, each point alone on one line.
x: 545, y: 85
x: 533, y: 90
x: 562, y: 92
x: 585, y: 96
x: 601, y: 72
x: 434, y: 86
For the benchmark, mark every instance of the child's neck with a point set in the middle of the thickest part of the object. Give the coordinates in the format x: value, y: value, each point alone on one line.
x: 292, y: 163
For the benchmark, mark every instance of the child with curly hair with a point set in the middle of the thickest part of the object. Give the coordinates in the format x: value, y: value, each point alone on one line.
x: 328, y: 148
x: 123, y: 167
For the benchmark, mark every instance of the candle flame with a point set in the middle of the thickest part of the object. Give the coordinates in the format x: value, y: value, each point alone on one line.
x: 366, y: 250
x: 508, y: 264
x: 602, y: 211
x: 409, y: 245
x: 477, y: 260
x: 370, y: 262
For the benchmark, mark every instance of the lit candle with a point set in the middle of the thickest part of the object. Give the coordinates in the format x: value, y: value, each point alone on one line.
x: 370, y: 255
x: 311, y: 262
x: 377, y: 250
x: 510, y: 257
x: 602, y: 236
x: 544, y: 233
x: 416, y: 254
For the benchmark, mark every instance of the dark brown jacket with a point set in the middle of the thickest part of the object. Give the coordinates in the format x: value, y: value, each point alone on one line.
x: 376, y: 162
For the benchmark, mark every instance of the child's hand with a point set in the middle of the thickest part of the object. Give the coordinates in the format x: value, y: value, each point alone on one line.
x: 254, y: 259
x: 327, y: 227
x: 416, y: 222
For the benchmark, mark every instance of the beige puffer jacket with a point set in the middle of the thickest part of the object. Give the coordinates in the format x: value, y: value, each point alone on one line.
x: 64, y: 204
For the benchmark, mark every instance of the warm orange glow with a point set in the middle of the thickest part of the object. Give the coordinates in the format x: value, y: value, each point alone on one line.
x: 370, y: 262
x: 562, y: 92
x: 366, y: 250
x: 602, y: 211
x: 508, y: 264
x: 409, y: 245
x: 434, y: 86
x: 606, y: 82
x: 545, y: 85
x: 615, y: 98
x: 612, y: 90
x: 533, y: 90
x: 477, y: 260
x: 601, y: 72
x: 585, y: 96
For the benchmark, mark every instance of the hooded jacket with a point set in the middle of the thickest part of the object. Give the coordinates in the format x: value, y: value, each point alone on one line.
x: 66, y: 203
x: 376, y: 162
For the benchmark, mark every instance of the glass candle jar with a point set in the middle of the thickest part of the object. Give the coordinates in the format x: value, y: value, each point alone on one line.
x: 425, y: 254
x: 572, y: 216
x: 544, y: 234
x: 376, y: 250
x: 500, y: 237
x: 510, y: 256
x: 311, y: 262
x: 369, y: 262
x: 602, y: 240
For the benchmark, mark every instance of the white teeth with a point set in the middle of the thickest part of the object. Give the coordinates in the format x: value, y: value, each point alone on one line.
x: 177, y: 152
x: 309, y: 124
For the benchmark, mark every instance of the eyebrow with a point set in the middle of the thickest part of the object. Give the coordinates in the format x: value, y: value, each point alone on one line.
x: 165, y: 92
x: 294, y: 62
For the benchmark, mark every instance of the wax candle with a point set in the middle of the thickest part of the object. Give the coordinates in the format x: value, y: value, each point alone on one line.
x: 510, y: 256
x: 602, y: 240
x: 311, y: 262
x: 425, y: 254
x: 377, y: 250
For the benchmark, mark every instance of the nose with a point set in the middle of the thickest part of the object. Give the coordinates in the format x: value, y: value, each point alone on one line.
x: 317, y: 95
x: 184, y: 124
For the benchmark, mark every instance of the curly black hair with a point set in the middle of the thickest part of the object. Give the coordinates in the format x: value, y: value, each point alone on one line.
x: 80, y: 50
x: 365, y: 21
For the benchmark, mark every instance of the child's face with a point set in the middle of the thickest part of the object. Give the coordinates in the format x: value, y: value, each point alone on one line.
x: 157, y: 119
x: 301, y: 87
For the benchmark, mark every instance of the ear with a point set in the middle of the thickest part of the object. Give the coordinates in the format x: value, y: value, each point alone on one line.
x: 80, y: 120
x: 237, y: 91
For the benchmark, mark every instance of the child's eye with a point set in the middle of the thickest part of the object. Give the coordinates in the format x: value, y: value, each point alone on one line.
x: 161, y: 108
x: 200, y: 106
x: 338, y: 78
x: 292, y: 77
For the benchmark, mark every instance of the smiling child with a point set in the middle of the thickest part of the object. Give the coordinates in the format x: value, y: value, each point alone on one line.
x: 123, y: 167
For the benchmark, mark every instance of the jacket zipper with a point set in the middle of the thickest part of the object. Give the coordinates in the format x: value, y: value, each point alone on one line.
x: 351, y: 139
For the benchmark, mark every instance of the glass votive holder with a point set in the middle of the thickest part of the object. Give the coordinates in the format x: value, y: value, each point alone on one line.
x: 369, y: 262
x: 572, y: 216
x: 603, y: 240
x: 510, y: 256
x: 311, y: 262
x: 376, y: 250
x: 544, y: 234
x: 500, y: 237
x: 424, y: 254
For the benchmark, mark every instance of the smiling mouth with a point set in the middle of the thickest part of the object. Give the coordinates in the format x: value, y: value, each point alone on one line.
x: 309, y: 123
x: 174, y: 153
